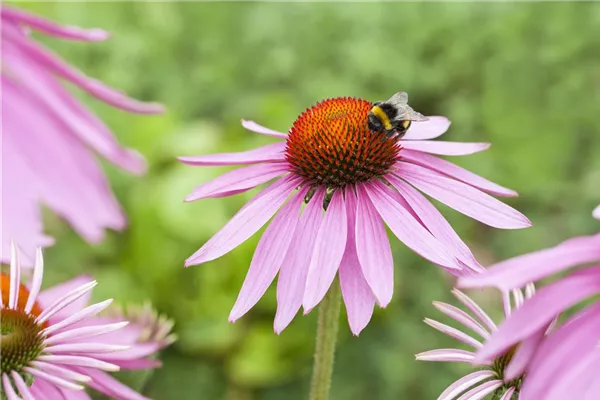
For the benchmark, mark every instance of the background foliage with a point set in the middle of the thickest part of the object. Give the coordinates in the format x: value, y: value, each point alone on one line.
x: 524, y: 76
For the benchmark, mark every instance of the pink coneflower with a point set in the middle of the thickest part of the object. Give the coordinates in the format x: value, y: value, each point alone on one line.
x: 564, y: 363
x: 330, y: 159
x: 492, y: 377
x: 45, y: 349
x: 49, y: 138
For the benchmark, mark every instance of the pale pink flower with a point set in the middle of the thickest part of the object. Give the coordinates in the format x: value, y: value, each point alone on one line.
x: 49, y: 138
x: 330, y: 159
x: 564, y: 363
x: 596, y: 212
x: 493, y: 377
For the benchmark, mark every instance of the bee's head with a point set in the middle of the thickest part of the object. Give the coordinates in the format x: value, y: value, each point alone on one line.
x: 375, y: 124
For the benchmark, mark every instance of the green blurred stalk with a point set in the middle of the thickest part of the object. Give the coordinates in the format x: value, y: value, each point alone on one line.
x: 327, y: 329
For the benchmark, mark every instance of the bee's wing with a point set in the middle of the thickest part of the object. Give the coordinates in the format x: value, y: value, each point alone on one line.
x: 399, y: 100
x: 405, y: 112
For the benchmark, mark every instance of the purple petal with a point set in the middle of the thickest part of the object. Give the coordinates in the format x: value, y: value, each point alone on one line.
x: 562, y: 351
x: 435, y: 222
x: 269, y: 256
x: 406, y: 228
x: 446, y: 355
x: 579, y: 382
x: 357, y: 294
x: 465, y: 383
x: 508, y: 394
x: 94, y: 87
x: 475, y: 309
x: 482, y: 390
x: 246, y: 222
x: 328, y: 252
x: 453, y: 333
x: 8, y: 389
x: 523, y: 354
x: 456, y: 172
x: 87, y: 312
x: 254, y: 127
x: 463, y: 198
x: 15, y: 277
x: 237, y: 181
x: 431, y: 128
x: 47, y: 297
x: 69, y: 298
x: 111, y: 387
x: 36, y: 281
x: 269, y: 153
x: 540, y: 310
x: 373, y: 248
x: 444, y: 148
x: 137, y: 351
x: 294, y: 269
x: 43, y: 390
x: 21, y: 386
x: 516, y: 272
x: 83, y: 332
x: 52, y: 379
x: 52, y: 28
x: 75, y: 118
x: 80, y: 361
x: 462, y: 317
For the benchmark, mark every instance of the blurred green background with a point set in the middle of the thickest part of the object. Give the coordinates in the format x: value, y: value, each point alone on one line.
x: 524, y: 76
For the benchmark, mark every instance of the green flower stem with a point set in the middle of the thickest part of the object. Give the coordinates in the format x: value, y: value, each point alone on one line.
x: 327, y: 329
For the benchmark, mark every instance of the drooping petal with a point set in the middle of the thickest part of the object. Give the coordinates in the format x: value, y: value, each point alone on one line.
x: 445, y: 148
x: 463, y: 198
x: 540, y: 310
x: 83, y: 332
x: 65, y: 174
x: 51, y: 28
x: 7, y: 388
x: 516, y: 272
x: 94, y: 87
x: 76, y: 119
x: 373, y: 247
x: 433, y: 127
x: 246, y: 222
x: 51, y: 378
x: 269, y: 153
x: 237, y: 181
x: 464, y: 383
x: 81, y: 361
x: 254, y: 127
x: 268, y: 256
x: 89, y: 311
x: 21, y: 386
x: 327, y: 255
x: 67, y: 300
x: 36, y: 281
x: 291, y: 283
x: 357, y: 294
x: 454, y: 171
x: 47, y: 297
x: 435, y: 222
x: 579, y: 382
x: 407, y: 229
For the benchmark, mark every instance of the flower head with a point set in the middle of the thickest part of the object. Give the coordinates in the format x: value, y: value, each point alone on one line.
x: 565, y: 362
x: 493, y: 377
x: 47, y: 336
x: 331, y: 160
x: 49, y: 138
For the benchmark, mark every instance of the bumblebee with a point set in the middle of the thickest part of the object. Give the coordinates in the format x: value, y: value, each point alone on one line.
x: 393, y: 117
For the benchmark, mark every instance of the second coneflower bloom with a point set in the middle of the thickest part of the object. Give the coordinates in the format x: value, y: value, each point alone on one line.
x: 331, y: 161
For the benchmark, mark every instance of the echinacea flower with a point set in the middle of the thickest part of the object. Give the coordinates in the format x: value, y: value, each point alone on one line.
x: 147, y: 333
x: 492, y: 377
x: 330, y: 159
x: 51, y: 343
x: 49, y: 138
x: 563, y: 364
